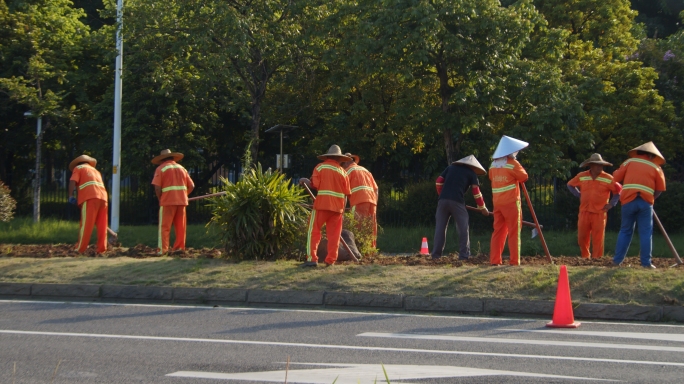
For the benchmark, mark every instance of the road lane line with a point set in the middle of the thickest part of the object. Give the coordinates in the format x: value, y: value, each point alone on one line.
x: 366, y: 373
x: 333, y: 346
x: 621, y: 335
x: 520, y: 341
x: 324, y: 311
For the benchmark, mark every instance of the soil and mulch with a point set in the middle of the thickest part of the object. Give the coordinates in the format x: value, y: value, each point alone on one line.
x: 143, y: 251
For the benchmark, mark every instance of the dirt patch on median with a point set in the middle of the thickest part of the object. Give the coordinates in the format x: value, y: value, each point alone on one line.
x: 141, y: 251
x: 44, y: 251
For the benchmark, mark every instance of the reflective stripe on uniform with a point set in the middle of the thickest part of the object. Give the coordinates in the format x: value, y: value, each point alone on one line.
x: 308, y: 237
x: 170, y: 166
x: 330, y: 193
x: 332, y: 168
x: 89, y: 183
x: 361, y: 188
x: 642, y: 161
x: 509, y: 166
x: 601, y: 179
x: 159, y: 230
x: 175, y: 188
x: 84, y: 210
x: 504, y: 189
x: 639, y: 187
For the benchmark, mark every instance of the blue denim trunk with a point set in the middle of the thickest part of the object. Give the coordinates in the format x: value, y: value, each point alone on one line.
x: 637, y: 212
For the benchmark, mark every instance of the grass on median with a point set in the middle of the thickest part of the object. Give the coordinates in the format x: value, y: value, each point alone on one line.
x: 588, y: 284
x: 392, y: 240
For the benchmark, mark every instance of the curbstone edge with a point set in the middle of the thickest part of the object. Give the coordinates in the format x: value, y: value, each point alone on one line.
x: 348, y: 299
x: 65, y: 290
x: 136, y: 292
x: 285, y: 297
x: 446, y: 304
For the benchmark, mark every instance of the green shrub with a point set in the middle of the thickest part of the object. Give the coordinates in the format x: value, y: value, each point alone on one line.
x: 363, y: 233
x: 7, y: 203
x: 261, y: 216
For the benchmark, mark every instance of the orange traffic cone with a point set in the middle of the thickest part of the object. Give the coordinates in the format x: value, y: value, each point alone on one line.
x: 562, y: 311
x: 424, y: 247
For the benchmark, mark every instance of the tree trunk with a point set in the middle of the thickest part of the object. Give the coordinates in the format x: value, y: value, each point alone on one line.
x: 449, y: 146
x: 256, y: 119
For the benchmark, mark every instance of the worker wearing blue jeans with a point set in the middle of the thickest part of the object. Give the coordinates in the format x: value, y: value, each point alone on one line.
x: 640, y: 212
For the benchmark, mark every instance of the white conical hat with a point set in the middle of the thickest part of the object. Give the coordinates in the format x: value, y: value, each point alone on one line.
x: 472, y: 162
x: 650, y: 148
x: 508, y: 145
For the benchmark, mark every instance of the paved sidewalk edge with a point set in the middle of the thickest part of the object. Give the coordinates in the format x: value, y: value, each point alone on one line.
x: 335, y: 300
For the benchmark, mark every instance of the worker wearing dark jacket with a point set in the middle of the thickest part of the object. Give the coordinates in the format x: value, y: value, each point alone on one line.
x: 452, y: 185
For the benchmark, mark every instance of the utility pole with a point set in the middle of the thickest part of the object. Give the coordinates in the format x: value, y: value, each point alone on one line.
x: 116, y: 158
x: 37, y: 178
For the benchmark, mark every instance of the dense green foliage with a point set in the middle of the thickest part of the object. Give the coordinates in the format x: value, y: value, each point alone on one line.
x: 261, y: 216
x: 407, y: 84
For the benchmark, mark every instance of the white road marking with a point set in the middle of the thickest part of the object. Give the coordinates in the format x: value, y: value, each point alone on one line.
x: 388, y: 314
x: 364, y: 373
x: 620, y: 335
x: 333, y: 346
x: 521, y: 341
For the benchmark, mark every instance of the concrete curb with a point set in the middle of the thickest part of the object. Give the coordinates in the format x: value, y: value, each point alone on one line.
x: 320, y: 299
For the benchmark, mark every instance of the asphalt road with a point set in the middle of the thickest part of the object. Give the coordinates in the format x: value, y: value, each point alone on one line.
x: 44, y: 342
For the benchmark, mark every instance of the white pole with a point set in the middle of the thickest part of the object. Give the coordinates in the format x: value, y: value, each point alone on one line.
x: 116, y: 160
x: 37, y: 180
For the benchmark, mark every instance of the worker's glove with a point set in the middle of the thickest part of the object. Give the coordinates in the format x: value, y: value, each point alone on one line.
x: 72, y: 200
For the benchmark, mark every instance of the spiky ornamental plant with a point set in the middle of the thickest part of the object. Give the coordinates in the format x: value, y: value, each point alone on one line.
x: 7, y: 203
x: 261, y: 216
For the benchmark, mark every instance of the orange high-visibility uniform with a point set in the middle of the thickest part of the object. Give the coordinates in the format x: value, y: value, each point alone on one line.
x: 363, y: 200
x: 176, y: 185
x: 92, y: 200
x: 594, y: 195
x: 507, y: 210
x: 643, y: 179
x: 331, y: 181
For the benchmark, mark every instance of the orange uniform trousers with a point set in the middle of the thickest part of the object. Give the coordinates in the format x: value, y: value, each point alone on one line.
x: 591, y: 227
x: 364, y: 211
x: 507, y: 222
x: 333, y: 230
x: 171, y: 215
x: 93, y: 212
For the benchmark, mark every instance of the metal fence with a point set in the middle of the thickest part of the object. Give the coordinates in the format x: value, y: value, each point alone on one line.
x: 138, y: 203
x: 553, y: 204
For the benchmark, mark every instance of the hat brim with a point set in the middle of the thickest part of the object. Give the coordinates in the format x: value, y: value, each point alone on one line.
x: 176, y: 157
x: 82, y: 159
x: 356, y: 158
x: 658, y: 158
x: 340, y: 157
x: 587, y: 162
x: 478, y: 171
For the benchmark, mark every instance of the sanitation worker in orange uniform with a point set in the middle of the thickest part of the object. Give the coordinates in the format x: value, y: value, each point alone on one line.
x: 593, y: 187
x: 643, y: 181
x: 92, y: 200
x: 172, y: 184
x: 506, y: 174
x: 331, y: 181
x: 364, y: 193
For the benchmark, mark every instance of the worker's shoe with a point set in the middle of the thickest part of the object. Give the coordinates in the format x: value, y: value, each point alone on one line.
x: 329, y: 265
x: 310, y: 264
x: 617, y: 264
x: 651, y: 266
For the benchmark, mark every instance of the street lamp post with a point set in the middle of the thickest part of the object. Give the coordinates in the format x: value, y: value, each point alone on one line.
x: 116, y: 157
x: 36, y: 180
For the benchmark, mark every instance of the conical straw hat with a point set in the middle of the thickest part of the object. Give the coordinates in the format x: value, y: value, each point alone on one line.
x: 595, y: 159
x: 334, y: 151
x: 508, y: 145
x: 472, y: 162
x: 650, y: 148
x: 167, y: 153
x: 82, y: 159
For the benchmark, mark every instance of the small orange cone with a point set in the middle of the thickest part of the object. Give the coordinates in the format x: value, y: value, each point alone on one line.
x: 562, y: 311
x: 424, y: 247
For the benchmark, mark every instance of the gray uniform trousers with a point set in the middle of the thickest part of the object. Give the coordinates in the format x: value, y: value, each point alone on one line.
x: 446, y: 209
